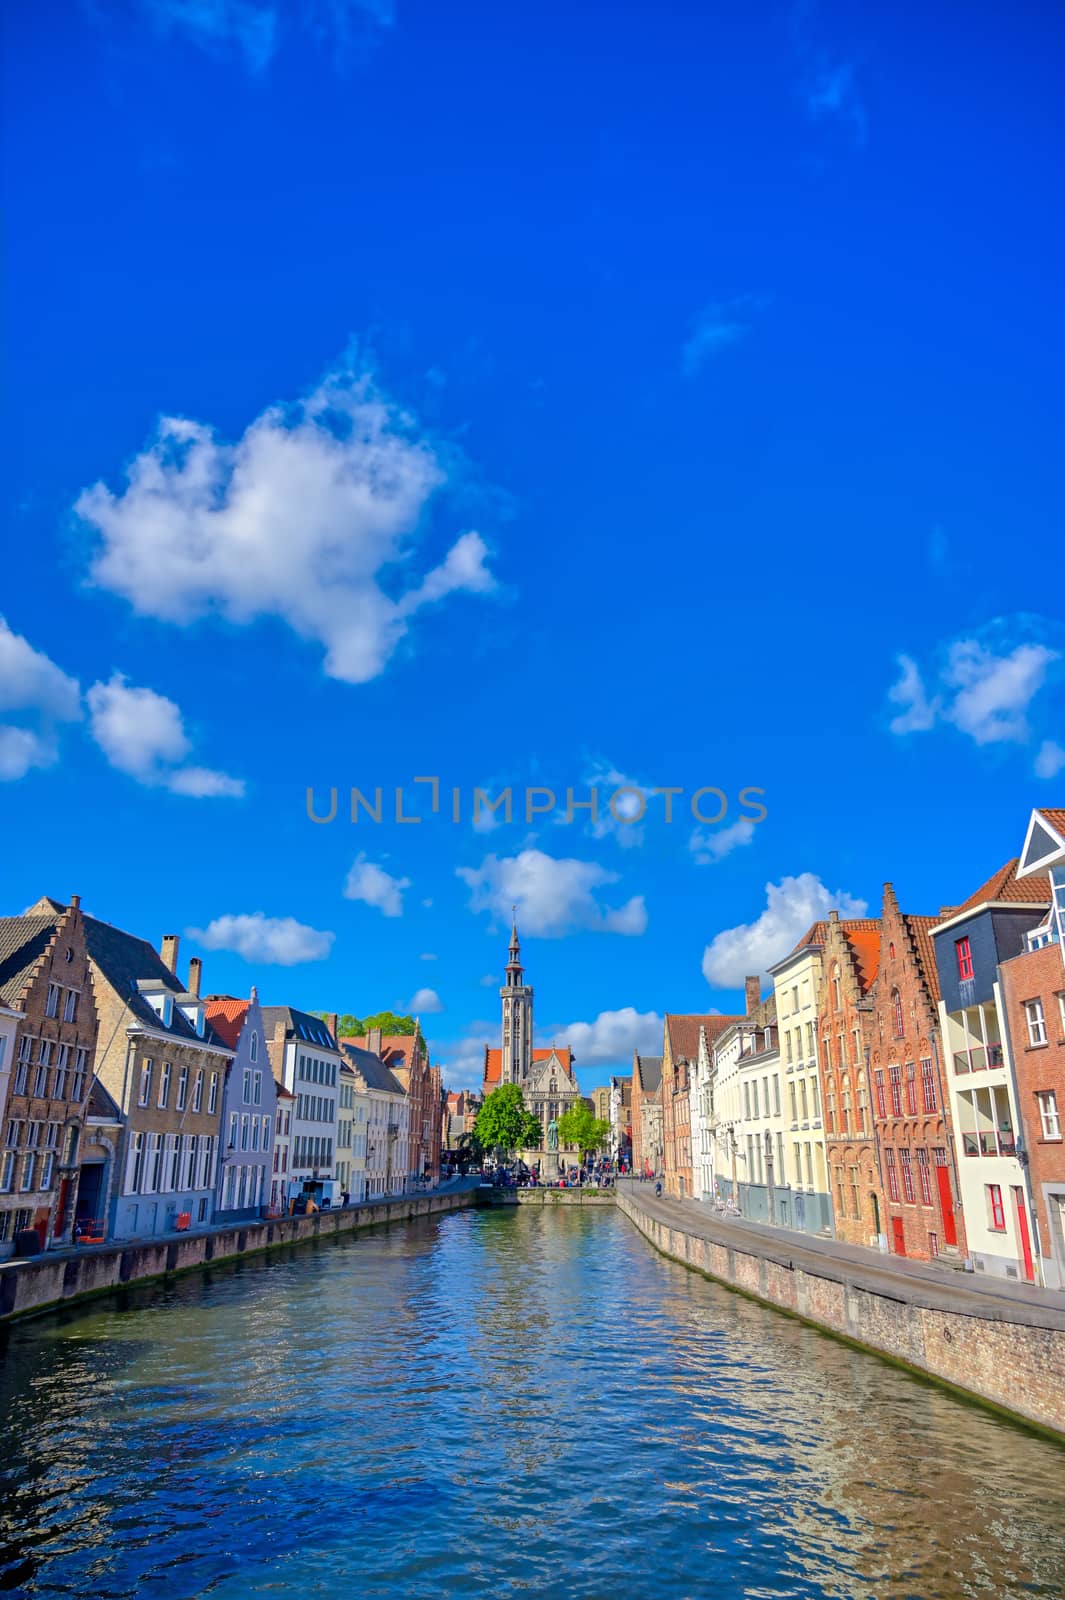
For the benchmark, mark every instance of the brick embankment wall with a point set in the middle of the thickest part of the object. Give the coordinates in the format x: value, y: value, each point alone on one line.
x: 1012, y: 1356
x: 44, y: 1282
x: 563, y: 1197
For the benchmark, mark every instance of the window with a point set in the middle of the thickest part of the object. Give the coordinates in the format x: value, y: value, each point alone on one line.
x: 896, y: 1010
x: 891, y: 950
x: 929, y: 1097
x: 233, y: 1124
x: 164, y: 1085
x: 1049, y: 1116
x: 59, y: 1084
x: 212, y: 1098
x: 40, y: 1081
x: 25, y: 1048
x: 29, y: 1163
x: 805, y: 1103
x: 933, y: 1245
x: 837, y: 995
x: 33, y: 1135
x: 14, y: 1134
x: 911, y: 1089
x: 70, y: 1005
x: 1061, y: 1008
x: 963, y: 950
x: 907, y: 1175
x: 244, y: 1132
x: 996, y: 1215
x: 254, y: 1050
x: 246, y: 1094
x: 146, y: 1084
x: 197, y: 1095
x: 1037, y: 1028
x: 47, y: 1167
x: 925, y: 1177
x: 892, y: 1175
x: 7, y: 1171
x: 51, y: 1005
x: 182, y: 1088
x: 21, y: 1074
x: 257, y: 1093
x: 136, y: 1164
x: 895, y: 1078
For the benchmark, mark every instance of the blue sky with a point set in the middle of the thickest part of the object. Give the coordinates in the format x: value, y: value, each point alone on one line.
x: 533, y: 396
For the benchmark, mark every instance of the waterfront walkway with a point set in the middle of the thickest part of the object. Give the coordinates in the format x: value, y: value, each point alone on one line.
x: 918, y: 1283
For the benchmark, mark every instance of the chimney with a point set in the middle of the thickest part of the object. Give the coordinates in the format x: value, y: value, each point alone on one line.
x: 75, y: 902
x: 332, y: 1022
x: 753, y: 991
x: 195, y: 976
x: 170, y: 950
x: 373, y: 1041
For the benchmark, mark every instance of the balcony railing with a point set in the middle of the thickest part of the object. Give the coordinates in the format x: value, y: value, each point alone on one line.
x: 1003, y: 1143
x: 978, y: 1059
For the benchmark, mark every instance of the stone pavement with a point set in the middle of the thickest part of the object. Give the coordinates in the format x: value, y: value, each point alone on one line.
x: 919, y: 1283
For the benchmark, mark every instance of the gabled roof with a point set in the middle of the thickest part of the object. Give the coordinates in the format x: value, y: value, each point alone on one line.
x: 815, y: 934
x: 684, y: 1029
x: 1044, y: 841
x: 864, y: 943
x: 1004, y: 885
x: 126, y: 962
x: 648, y: 1069
x: 23, y: 941
x: 920, y: 929
x: 301, y: 1025
x: 369, y: 1066
x: 493, y: 1061
x: 226, y: 1016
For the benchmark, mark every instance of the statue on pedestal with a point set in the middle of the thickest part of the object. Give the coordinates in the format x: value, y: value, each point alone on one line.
x: 552, y: 1135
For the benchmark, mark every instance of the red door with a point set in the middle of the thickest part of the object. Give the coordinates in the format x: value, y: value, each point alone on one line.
x: 898, y: 1235
x: 946, y: 1205
x: 1026, y: 1239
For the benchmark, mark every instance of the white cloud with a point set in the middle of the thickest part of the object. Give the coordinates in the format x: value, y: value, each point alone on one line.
x: 1050, y: 760
x: 423, y: 1003
x: 709, y: 847
x: 553, y: 897
x: 280, y: 941
x: 984, y: 687
x: 253, y: 28
x: 491, y: 980
x: 34, y: 689
x: 611, y: 1039
x: 715, y: 328
x: 918, y: 713
x: 463, y: 1061
x: 142, y: 734
x: 303, y: 518
x: 623, y: 821
x: 375, y: 887
x: 791, y: 906
x: 427, y: 955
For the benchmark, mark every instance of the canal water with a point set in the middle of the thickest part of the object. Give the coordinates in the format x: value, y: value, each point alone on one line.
x: 498, y: 1403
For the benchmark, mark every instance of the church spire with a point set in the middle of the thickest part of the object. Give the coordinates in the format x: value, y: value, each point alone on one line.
x: 517, y: 999
x: 515, y: 971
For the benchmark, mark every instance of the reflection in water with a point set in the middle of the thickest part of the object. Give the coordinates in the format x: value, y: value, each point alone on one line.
x: 498, y: 1402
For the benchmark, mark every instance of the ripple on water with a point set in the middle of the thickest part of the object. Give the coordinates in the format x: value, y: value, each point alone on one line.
x: 499, y: 1403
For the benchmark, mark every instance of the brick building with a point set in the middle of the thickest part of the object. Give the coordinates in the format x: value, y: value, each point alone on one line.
x: 846, y: 1029
x: 407, y: 1057
x: 680, y: 1054
x: 646, y: 1114
x: 46, y: 984
x: 1033, y: 992
x: 911, y: 1108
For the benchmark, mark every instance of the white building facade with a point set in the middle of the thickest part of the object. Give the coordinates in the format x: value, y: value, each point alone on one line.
x: 307, y: 1059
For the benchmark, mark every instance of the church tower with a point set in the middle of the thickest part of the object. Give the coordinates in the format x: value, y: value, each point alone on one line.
x: 517, y: 998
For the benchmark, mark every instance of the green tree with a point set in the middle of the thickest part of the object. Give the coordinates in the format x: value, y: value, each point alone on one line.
x: 350, y: 1026
x: 503, y: 1119
x: 532, y: 1134
x: 583, y: 1128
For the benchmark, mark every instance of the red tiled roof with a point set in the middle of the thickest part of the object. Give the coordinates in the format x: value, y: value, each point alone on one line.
x: 1054, y: 816
x: 815, y: 934
x: 921, y: 930
x: 864, y: 940
x: 1005, y: 885
x: 226, y: 1016
x: 683, y: 1031
x: 493, y: 1061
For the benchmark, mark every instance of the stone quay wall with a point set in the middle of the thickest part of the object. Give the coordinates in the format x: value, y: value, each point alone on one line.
x: 45, y: 1282
x: 1008, y: 1354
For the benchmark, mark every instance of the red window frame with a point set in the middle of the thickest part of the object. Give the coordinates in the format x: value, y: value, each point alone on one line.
x: 892, y: 1175
x: 895, y: 1079
x: 911, y: 1089
x: 998, y: 1216
x: 907, y: 1176
x: 925, y: 1177
x: 930, y: 1098
x: 878, y: 1085
x: 965, y: 958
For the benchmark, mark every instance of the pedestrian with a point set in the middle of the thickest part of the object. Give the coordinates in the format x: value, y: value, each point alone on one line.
x: 345, y: 1197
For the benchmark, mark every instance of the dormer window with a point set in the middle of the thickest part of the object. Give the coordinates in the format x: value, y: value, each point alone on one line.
x: 163, y: 1006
